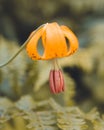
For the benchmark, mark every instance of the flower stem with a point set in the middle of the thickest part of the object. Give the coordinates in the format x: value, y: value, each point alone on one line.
x: 22, y: 47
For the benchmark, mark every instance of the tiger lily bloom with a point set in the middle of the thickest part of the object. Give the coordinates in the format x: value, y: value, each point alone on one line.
x: 57, y: 41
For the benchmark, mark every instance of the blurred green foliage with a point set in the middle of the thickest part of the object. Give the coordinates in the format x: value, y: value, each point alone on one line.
x: 46, y: 115
x: 25, y: 99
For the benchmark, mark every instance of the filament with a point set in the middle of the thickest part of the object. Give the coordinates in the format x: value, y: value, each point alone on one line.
x: 55, y: 64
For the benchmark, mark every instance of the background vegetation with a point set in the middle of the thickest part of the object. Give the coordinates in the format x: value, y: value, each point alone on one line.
x: 25, y: 99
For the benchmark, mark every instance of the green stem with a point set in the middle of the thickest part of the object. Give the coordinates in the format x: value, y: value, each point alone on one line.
x: 21, y: 48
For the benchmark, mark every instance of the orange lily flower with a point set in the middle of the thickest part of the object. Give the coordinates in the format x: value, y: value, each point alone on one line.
x: 58, y: 41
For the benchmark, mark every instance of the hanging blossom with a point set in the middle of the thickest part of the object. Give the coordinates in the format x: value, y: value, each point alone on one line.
x: 57, y: 41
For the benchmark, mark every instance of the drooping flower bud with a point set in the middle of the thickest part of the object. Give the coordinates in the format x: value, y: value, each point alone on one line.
x: 56, y: 81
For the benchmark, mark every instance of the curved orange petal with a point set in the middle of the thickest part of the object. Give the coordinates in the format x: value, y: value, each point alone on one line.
x: 32, y: 45
x: 54, y: 42
x: 73, y: 41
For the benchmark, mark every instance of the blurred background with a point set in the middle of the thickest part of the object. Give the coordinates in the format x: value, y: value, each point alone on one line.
x: 84, y: 71
x: 19, y: 18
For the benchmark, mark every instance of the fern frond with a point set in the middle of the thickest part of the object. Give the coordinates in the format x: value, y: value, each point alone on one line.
x: 47, y: 115
x: 6, y: 110
x: 26, y: 103
x: 68, y: 118
x: 42, y: 120
x: 12, y: 75
x: 99, y: 124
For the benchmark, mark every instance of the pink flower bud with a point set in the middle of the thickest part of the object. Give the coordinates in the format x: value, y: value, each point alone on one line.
x: 56, y: 81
